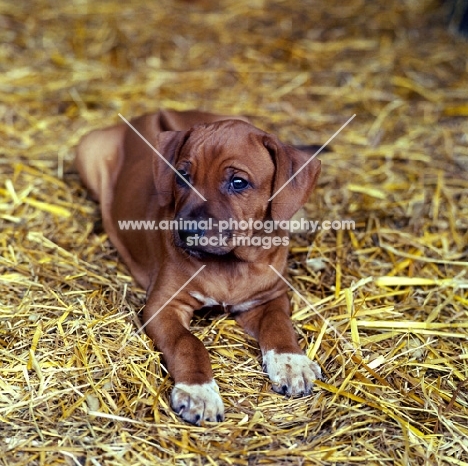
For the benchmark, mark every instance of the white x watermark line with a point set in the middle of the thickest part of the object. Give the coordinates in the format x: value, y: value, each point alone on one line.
x: 308, y: 161
x: 163, y: 306
x: 160, y: 155
x: 327, y: 322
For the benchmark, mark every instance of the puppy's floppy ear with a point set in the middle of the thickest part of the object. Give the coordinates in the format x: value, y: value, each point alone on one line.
x: 288, y: 161
x: 169, y: 144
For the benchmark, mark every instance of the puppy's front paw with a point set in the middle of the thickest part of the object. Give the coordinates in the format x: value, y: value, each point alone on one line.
x: 197, y: 402
x: 290, y: 373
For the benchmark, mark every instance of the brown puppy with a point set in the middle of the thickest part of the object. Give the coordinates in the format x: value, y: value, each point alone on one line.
x: 236, y: 168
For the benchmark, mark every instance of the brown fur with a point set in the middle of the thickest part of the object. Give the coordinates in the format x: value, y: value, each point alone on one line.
x: 133, y: 183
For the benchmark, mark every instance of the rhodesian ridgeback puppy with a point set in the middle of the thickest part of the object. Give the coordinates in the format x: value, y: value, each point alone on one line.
x: 236, y: 168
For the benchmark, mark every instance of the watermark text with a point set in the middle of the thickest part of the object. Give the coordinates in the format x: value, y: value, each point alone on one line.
x: 230, y: 225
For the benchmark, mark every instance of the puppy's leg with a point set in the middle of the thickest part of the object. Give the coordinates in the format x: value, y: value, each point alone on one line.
x: 195, y: 396
x: 291, y: 372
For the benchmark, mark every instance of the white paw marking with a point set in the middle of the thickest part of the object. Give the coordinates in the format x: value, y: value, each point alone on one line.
x: 197, y: 402
x: 290, y: 373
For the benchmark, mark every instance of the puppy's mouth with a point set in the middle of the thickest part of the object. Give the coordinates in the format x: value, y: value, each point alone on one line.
x: 201, y: 245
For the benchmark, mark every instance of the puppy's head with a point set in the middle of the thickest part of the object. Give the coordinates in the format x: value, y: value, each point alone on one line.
x: 237, y: 168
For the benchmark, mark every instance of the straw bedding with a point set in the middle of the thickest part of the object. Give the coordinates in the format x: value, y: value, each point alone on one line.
x: 383, y: 308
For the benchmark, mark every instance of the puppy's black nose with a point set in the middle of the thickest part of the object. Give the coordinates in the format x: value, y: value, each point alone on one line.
x: 190, y: 232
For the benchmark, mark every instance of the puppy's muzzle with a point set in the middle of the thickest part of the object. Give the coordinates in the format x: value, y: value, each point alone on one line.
x: 190, y: 233
x: 198, y: 242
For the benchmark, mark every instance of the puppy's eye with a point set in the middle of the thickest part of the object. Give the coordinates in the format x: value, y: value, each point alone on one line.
x: 239, y: 184
x: 183, y: 174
